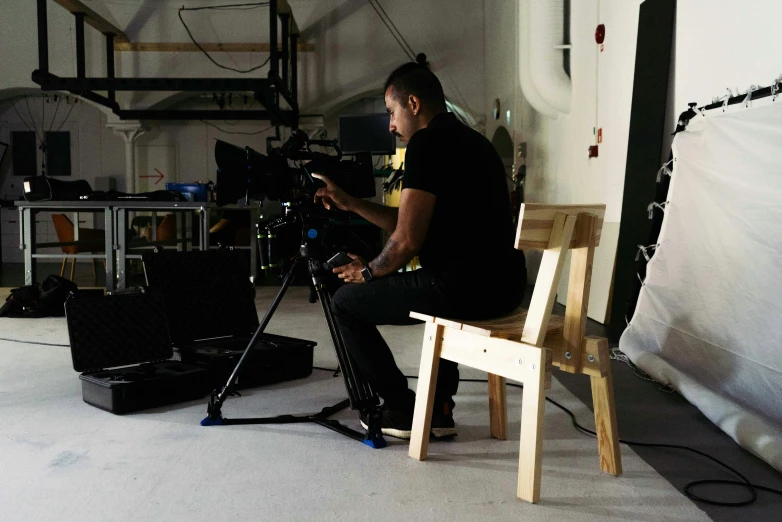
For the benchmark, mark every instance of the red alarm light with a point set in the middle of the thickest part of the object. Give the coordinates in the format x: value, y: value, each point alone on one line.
x: 600, y: 33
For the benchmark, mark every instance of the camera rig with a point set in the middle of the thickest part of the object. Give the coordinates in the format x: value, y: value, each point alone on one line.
x: 250, y: 175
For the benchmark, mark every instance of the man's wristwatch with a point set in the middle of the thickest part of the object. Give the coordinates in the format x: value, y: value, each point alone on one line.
x: 366, y: 273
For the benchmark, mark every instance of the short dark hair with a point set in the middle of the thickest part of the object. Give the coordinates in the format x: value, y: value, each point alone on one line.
x: 415, y: 78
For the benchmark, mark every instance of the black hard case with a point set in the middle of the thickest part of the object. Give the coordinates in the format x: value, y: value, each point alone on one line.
x: 210, y: 306
x: 121, y: 343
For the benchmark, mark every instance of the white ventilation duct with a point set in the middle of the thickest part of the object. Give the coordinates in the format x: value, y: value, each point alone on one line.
x: 543, y: 80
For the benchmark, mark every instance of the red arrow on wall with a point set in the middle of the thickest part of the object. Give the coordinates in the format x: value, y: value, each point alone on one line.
x: 159, y: 176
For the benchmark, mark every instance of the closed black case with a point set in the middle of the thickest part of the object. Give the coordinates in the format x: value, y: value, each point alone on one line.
x: 210, y: 305
x: 128, y: 331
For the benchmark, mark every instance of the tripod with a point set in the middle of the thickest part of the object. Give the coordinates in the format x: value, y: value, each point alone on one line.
x: 361, y: 397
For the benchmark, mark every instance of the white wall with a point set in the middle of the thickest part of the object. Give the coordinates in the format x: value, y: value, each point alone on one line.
x: 558, y: 167
x: 355, y: 52
x: 722, y: 44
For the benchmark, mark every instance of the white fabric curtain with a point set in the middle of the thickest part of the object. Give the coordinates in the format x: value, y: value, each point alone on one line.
x: 709, y: 316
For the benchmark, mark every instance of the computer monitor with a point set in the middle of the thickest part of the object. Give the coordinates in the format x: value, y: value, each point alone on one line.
x: 366, y: 133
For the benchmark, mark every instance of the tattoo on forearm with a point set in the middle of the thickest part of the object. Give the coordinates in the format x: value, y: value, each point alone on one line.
x: 382, y: 263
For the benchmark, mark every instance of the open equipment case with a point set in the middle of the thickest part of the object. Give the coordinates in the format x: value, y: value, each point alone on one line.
x: 121, y: 345
x: 210, y: 305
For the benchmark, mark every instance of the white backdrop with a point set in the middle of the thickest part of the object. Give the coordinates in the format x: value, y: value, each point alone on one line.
x: 709, y: 317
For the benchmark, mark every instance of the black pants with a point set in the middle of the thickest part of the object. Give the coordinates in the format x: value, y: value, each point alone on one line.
x: 359, y: 308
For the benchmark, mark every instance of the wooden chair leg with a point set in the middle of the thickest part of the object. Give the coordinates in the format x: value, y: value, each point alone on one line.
x: 498, y: 407
x: 424, y: 400
x: 73, y: 267
x: 62, y: 268
x: 533, y: 405
x: 605, y: 423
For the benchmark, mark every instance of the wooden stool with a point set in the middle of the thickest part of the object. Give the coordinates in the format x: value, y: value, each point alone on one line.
x: 525, y: 345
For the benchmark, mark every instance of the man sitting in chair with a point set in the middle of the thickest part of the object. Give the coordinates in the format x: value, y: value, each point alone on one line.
x: 455, y: 215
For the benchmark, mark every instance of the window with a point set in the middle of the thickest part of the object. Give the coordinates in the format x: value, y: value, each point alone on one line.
x: 24, y: 153
x: 58, y: 153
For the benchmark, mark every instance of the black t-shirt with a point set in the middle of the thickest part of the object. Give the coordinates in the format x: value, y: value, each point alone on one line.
x: 471, y: 235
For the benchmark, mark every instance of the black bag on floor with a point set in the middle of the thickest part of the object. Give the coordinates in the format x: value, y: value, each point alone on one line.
x: 120, y: 330
x: 44, y: 300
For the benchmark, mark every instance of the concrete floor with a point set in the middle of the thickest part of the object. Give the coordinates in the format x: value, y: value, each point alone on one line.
x: 66, y: 460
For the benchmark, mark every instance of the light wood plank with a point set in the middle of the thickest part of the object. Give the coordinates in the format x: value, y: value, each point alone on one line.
x: 423, y: 317
x: 605, y: 424
x: 511, y: 359
x: 510, y: 326
x: 581, y: 260
x: 427, y: 382
x: 94, y: 19
x: 548, y: 280
x: 189, y: 47
x: 533, y: 404
x: 590, y: 346
x: 498, y: 407
x: 536, y: 222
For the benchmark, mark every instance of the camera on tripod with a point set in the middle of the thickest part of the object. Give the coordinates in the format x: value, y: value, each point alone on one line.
x: 285, y: 175
x: 245, y: 174
x: 303, y: 235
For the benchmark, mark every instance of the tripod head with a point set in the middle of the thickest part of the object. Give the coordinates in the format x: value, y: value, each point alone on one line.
x: 306, y: 230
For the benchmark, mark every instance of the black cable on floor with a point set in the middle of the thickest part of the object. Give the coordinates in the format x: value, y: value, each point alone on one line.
x: 34, y: 342
x: 745, y: 483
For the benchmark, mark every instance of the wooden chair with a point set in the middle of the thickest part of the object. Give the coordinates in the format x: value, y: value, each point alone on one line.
x: 90, y: 240
x: 526, y: 344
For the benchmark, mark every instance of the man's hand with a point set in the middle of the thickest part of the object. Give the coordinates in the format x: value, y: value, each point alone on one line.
x: 351, y: 273
x: 332, y: 195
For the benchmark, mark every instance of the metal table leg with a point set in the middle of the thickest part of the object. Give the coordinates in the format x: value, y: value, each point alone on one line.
x: 108, y: 228
x: 255, y: 216
x: 181, y: 243
x: 121, y: 247
x: 204, y: 215
x: 27, y: 221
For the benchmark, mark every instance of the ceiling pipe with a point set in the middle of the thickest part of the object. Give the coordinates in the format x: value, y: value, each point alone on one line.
x: 547, y: 25
x: 525, y: 74
x: 543, y: 80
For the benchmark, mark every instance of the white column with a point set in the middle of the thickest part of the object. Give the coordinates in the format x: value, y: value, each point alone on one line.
x: 129, y: 131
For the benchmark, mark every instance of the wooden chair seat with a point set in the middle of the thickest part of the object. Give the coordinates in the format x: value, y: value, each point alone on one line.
x: 509, y: 326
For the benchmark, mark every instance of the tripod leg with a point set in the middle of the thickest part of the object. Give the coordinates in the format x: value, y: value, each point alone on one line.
x: 364, y: 393
x: 218, y: 398
x: 361, y: 395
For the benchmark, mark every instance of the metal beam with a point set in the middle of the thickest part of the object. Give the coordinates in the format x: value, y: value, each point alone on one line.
x: 284, y: 7
x: 202, y: 115
x: 189, y: 47
x: 110, y: 63
x: 97, y: 98
x: 285, y: 56
x: 93, y: 18
x: 54, y: 83
x: 43, y: 38
x: 273, y: 59
x: 294, y: 72
x: 80, y: 67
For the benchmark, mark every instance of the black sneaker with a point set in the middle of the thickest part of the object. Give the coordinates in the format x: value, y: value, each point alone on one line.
x: 399, y: 424
x: 393, y: 423
x: 442, y: 422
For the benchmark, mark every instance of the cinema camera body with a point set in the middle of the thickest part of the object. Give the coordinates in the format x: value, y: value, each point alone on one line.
x: 285, y: 175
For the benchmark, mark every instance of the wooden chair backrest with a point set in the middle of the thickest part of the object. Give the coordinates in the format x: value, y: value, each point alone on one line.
x: 65, y: 234
x: 536, y: 222
x: 555, y: 229
x: 166, y: 230
x: 90, y: 239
